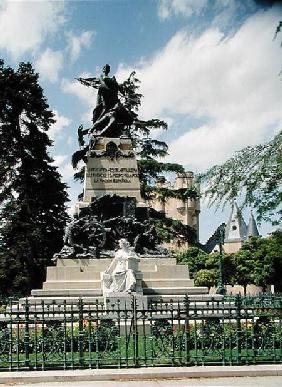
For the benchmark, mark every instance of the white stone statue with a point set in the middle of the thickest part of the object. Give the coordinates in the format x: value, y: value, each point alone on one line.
x: 120, y: 275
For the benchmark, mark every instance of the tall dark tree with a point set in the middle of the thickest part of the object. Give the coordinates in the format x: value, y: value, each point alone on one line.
x: 32, y: 196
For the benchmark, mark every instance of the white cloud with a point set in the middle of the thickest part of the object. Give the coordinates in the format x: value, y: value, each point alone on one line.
x: 231, y: 82
x: 167, y: 8
x: 64, y: 165
x: 24, y: 25
x: 87, y: 95
x: 49, y: 64
x: 60, y: 124
x: 59, y: 160
x: 76, y: 43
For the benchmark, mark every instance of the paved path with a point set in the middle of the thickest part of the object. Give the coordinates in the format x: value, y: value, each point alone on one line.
x: 252, y: 376
x: 266, y: 381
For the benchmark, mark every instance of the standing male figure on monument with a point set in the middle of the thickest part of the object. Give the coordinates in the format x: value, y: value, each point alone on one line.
x: 109, y: 114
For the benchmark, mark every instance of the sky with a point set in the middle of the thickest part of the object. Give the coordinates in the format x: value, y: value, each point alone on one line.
x: 209, y: 68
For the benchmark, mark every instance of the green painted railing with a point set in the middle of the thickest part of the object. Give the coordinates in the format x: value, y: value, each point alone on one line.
x: 235, y: 330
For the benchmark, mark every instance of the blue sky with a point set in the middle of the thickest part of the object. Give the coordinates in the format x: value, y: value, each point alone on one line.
x: 210, y: 68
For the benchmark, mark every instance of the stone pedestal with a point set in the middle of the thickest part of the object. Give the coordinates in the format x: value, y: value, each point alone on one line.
x: 111, y: 168
x: 124, y: 301
x: 73, y: 278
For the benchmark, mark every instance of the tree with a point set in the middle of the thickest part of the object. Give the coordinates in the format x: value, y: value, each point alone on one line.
x: 32, y: 197
x: 204, y: 274
x: 203, y: 267
x: 150, y: 151
x: 194, y: 257
x: 259, y: 262
x: 254, y: 173
x: 244, y: 264
x: 206, y: 277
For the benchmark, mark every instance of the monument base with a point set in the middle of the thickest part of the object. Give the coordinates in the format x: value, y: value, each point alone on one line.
x: 162, y: 278
x: 111, y: 169
x: 125, y: 301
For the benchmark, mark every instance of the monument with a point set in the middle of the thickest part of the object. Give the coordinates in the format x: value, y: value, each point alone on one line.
x: 122, y: 278
x: 112, y: 248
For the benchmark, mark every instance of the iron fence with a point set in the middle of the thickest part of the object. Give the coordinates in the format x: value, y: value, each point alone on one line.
x: 65, y: 335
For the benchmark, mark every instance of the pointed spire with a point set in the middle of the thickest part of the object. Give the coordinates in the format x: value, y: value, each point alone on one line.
x: 252, y: 227
x: 236, y: 228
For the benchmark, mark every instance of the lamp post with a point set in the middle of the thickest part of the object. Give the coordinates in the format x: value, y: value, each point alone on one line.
x: 221, y: 235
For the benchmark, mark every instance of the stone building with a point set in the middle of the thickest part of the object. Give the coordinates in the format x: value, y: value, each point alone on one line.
x: 187, y: 211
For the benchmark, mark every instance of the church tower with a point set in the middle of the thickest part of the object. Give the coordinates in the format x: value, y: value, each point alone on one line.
x: 235, y: 231
x: 252, y: 227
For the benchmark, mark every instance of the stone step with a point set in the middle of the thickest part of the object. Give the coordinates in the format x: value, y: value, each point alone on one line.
x: 99, y: 264
x: 72, y: 273
x: 93, y: 299
x: 161, y: 291
x: 179, y: 298
x: 168, y: 283
x: 84, y: 284
x: 60, y: 300
x: 146, y: 262
x: 54, y: 306
x: 96, y: 283
x: 71, y: 303
x: 50, y: 293
x: 176, y: 290
x: 168, y: 272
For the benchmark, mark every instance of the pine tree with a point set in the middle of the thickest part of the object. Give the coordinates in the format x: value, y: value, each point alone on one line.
x: 32, y: 197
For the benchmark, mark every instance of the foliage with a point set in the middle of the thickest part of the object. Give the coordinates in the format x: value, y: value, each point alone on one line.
x: 106, y: 221
x: 194, y: 257
x: 55, y: 339
x: 169, y: 229
x: 260, y: 261
x: 256, y: 173
x: 162, y: 328
x: 206, y: 277
x: 32, y: 197
x: 149, y: 151
x: 203, y: 267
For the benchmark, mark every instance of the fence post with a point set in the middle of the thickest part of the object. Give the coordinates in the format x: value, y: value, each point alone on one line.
x: 11, y: 335
x: 135, y: 333
x: 186, y: 329
x: 26, y: 334
x: 238, y: 306
x: 80, y: 333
